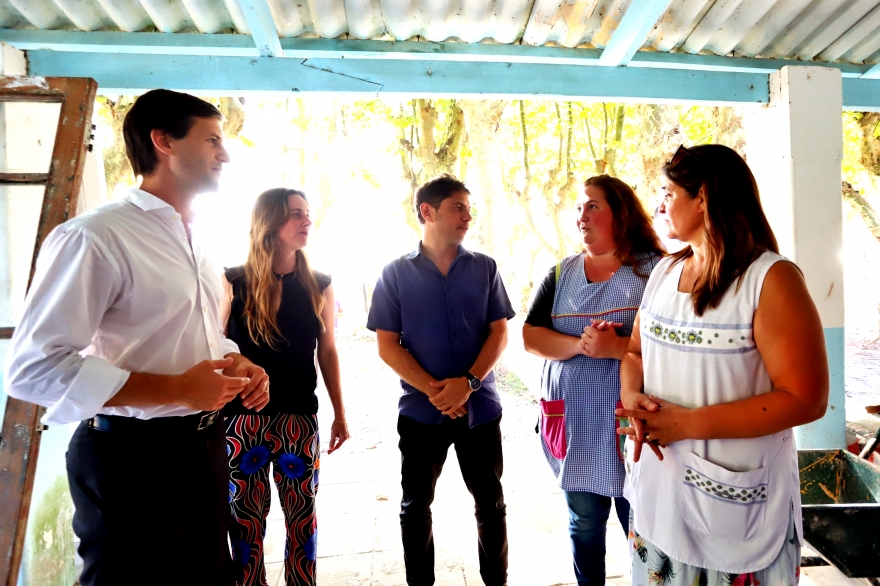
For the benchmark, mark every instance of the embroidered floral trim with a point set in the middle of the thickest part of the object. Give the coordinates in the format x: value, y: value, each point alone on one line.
x: 698, y: 337
x: 725, y: 491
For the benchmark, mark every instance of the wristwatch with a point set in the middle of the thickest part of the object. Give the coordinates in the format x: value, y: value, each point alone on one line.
x: 473, y: 382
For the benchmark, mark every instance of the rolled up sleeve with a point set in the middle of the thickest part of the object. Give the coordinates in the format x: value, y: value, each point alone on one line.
x: 229, y: 346
x: 75, y: 283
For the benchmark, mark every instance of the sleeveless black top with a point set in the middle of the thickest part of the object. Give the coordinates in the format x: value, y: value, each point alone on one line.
x: 291, y: 365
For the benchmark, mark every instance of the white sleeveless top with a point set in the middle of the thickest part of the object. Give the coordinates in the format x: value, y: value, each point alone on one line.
x: 719, y: 504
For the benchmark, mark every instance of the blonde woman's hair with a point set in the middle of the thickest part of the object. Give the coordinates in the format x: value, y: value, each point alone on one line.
x: 262, y: 293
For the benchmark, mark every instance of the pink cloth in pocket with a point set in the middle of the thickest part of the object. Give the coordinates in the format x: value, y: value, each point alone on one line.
x: 553, y: 427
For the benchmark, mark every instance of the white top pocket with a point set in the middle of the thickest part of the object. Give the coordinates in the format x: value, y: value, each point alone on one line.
x: 722, y: 503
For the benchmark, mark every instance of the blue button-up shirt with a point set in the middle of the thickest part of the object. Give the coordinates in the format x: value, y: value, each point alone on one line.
x: 443, y: 322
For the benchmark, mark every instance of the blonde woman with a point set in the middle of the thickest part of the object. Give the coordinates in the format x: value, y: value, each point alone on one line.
x: 278, y: 310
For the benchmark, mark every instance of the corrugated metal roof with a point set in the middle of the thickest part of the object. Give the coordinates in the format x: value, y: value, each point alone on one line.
x: 820, y: 30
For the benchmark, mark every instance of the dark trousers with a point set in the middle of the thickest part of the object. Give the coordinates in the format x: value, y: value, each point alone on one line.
x: 587, y: 521
x: 152, y: 507
x: 423, y: 450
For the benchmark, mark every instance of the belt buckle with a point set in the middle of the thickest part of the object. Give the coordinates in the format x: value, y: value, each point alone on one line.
x: 206, y: 420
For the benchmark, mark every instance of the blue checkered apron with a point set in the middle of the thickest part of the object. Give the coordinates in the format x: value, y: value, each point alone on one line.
x: 590, y: 386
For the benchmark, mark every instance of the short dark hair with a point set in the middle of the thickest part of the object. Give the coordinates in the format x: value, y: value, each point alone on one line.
x: 433, y: 192
x: 172, y: 112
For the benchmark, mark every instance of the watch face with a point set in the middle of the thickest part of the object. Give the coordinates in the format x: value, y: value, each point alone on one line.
x: 474, y: 384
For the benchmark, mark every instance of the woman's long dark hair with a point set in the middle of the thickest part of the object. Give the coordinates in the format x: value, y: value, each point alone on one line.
x: 634, y: 234
x: 736, y: 229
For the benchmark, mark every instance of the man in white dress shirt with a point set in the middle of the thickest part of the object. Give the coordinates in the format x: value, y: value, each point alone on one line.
x: 121, y: 332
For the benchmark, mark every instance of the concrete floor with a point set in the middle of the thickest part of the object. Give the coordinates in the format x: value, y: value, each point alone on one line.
x: 359, y: 535
x: 359, y: 532
x: 359, y: 497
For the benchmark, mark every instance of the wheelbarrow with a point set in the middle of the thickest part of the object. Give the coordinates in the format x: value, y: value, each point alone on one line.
x: 840, y: 493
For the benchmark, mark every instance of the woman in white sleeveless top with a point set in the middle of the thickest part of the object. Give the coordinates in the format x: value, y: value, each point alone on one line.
x: 727, y: 355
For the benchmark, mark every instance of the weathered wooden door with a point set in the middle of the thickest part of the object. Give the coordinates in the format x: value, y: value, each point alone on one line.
x: 20, y: 435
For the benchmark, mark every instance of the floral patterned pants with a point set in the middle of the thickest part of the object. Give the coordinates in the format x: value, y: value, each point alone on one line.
x: 650, y: 566
x: 290, y: 443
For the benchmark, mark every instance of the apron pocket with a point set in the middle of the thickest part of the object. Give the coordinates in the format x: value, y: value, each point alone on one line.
x: 722, y: 503
x: 553, y: 427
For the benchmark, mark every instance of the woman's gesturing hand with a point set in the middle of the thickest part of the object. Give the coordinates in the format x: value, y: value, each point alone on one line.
x: 666, y: 424
x: 600, y: 340
x: 636, y: 408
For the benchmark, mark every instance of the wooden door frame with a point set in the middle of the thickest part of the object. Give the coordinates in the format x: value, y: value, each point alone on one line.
x: 20, y: 435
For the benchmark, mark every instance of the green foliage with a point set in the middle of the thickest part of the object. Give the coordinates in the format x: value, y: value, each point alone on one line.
x: 51, y: 547
x: 525, y: 161
x: 852, y: 169
x: 111, y: 113
x: 506, y: 381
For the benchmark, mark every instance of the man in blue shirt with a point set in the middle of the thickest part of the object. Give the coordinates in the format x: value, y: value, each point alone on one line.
x: 440, y: 316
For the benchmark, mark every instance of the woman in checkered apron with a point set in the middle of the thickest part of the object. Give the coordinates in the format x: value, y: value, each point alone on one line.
x: 727, y: 355
x: 580, y: 321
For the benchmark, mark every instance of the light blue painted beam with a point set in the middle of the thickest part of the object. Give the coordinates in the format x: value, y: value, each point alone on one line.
x: 429, y: 51
x: 116, y: 42
x: 742, y: 64
x: 231, y: 45
x: 259, y: 19
x: 131, y: 73
x: 243, y: 46
x: 861, y: 95
x: 632, y: 31
x: 872, y: 73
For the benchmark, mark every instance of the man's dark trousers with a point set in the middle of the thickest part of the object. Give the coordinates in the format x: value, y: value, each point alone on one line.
x: 152, y: 504
x: 423, y: 450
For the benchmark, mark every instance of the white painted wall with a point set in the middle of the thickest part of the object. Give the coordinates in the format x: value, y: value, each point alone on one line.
x: 794, y: 147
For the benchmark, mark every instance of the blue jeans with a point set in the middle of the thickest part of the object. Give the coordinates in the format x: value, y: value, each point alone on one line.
x: 587, y: 519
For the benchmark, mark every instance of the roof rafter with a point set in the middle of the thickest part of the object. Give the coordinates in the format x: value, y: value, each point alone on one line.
x: 872, y: 73
x: 238, y: 45
x: 259, y: 20
x: 630, y: 34
x: 123, y: 74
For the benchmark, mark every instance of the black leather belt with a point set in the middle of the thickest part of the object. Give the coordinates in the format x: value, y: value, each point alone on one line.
x: 187, y: 423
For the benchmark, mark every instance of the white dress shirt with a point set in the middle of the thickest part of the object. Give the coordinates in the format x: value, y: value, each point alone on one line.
x: 117, y: 290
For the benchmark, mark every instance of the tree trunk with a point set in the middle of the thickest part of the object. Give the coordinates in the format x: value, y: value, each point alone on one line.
x: 729, y: 129
x: 117, y: 169
x: 868, y: 123
x: 421, y: 159
x: 233, y: 115
x: 611, y: 153
x: 481, y: 118
x: 861, y: 205
x: 661, y: 135
x: 559, y: 190
x: 524, y: 195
